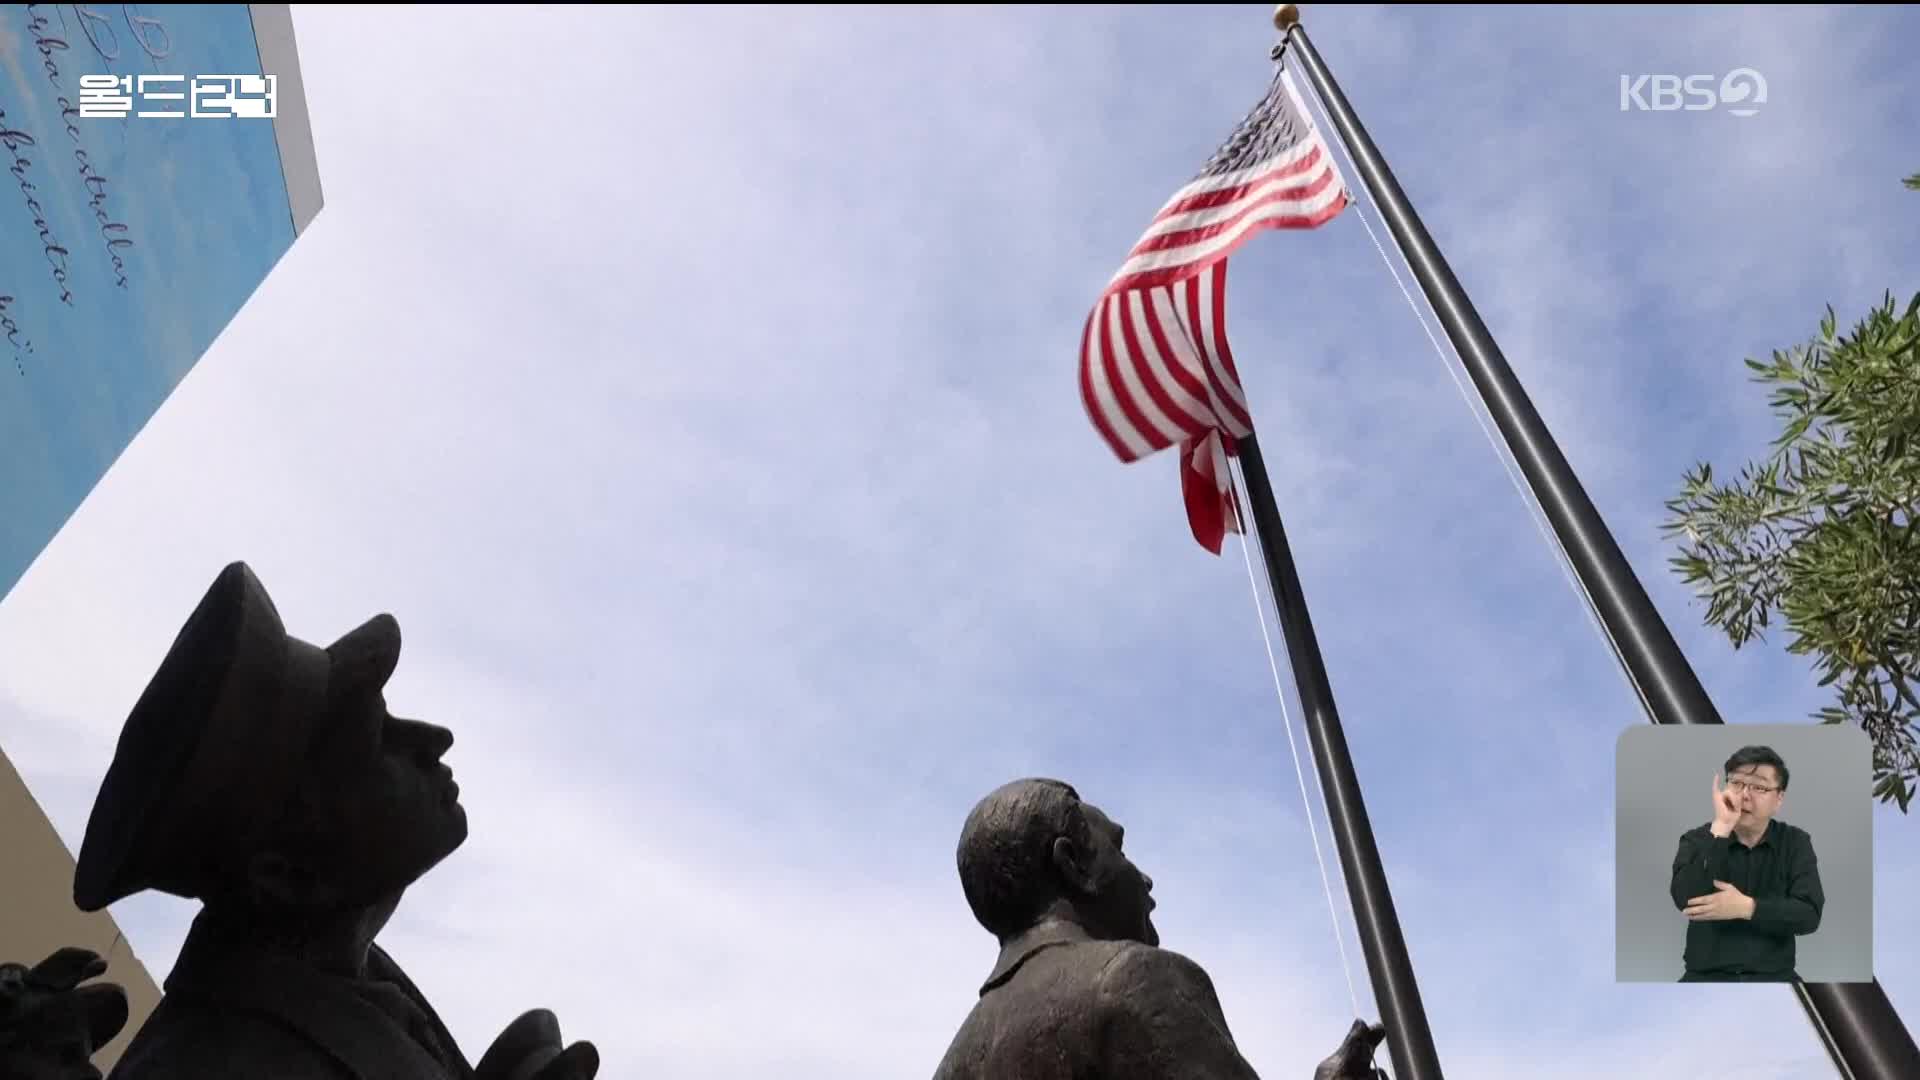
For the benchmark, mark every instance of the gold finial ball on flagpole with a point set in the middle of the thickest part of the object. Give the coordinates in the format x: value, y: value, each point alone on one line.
x: 1286, y: 17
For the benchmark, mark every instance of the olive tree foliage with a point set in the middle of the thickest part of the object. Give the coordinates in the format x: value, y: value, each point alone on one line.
x: 1820, y: 535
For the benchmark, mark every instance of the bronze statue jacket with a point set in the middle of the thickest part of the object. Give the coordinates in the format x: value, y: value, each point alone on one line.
x: 1061, y: 1006
x: 232, y: 1013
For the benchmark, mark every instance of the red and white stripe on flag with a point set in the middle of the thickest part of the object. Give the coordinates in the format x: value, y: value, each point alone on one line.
x: 1155, y: 366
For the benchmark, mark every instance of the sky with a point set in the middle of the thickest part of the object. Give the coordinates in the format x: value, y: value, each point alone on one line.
x: 697, y: 388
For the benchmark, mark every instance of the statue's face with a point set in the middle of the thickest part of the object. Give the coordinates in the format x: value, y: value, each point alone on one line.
x: 390, y: 809
x: 1122, y: 900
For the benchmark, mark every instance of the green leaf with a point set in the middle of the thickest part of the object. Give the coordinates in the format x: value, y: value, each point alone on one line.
x: 1906, y: 693
x: 1819, y: 536
x: 1900, y: 789
x: 1794, y: 430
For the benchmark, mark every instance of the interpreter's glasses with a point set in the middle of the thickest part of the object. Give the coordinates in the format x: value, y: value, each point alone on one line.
x: 1744, y: 786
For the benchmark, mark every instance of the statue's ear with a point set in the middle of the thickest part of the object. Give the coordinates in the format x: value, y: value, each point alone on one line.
x: 1075, y: 865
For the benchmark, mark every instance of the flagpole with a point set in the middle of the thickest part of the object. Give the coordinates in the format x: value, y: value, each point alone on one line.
x: 1409, y: 1039
x: 1856, y: 1021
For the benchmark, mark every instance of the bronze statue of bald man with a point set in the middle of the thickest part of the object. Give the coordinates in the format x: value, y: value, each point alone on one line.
x: 1081, y: 989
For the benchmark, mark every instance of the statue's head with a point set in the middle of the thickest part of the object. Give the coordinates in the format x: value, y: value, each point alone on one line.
x: 1032, y: 849
x: 259, y: 769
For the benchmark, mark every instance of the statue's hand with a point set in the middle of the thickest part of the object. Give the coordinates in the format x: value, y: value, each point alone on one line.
x: 1354, y: 1059
x: 577, y: 1062
x: 50, y: 1025
x: 58, y: 974
x: 530, y: 1049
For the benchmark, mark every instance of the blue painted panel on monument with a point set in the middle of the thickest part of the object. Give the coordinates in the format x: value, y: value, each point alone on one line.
x: 127, y: 243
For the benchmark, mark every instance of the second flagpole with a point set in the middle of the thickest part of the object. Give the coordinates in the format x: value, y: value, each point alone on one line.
x: 1409, y: 1039
x: 1857, y: 1023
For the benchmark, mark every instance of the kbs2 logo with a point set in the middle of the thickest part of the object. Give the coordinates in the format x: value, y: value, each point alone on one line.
x: 1741, y: 92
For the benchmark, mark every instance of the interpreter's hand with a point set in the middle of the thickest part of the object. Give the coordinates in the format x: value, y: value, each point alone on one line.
x: 1726, y: 808
x: 1725, y: 902
x: 529, y: 1049
x: 1354, y: 1059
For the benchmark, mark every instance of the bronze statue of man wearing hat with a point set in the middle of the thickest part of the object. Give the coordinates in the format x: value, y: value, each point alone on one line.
x: 1081, y: 987
x: 265, y: 777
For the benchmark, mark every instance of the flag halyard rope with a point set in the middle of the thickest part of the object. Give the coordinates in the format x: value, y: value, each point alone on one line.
x: 1454, y: 367
x: 1286, y: 719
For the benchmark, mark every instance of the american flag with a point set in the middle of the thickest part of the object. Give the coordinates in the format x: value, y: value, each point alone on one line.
x: 1155, y: 368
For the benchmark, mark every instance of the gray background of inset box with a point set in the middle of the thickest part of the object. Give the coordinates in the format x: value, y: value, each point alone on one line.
x: 1663, y: 778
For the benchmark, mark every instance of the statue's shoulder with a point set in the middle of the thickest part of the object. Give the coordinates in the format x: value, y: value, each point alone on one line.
x: 1135, y: 975
x: 185, y: 1041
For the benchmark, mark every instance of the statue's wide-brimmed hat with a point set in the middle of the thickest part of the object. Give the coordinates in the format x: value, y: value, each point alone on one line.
x: 214, y: 746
